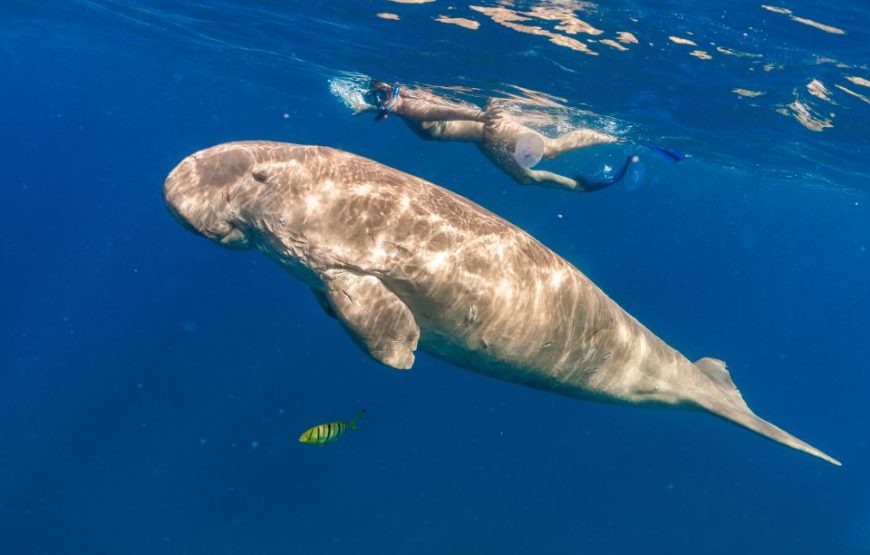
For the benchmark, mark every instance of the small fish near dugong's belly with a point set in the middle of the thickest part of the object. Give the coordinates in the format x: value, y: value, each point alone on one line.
x: 401, y: 262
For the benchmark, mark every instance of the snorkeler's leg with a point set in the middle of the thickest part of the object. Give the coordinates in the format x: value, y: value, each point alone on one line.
x: 579, y: 183
x: 550, y: 179
x: 579, y: 138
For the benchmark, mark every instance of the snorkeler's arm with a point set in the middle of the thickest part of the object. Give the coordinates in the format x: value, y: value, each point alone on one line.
x: 422, y: 110
x: 361, y: 107
x: 463, y: 131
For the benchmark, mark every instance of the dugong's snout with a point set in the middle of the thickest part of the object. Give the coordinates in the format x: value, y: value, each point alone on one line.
x: 200, y: 192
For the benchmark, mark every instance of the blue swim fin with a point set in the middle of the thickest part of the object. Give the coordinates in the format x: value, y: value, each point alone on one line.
x: 588, y: 186
x: 668, y: 153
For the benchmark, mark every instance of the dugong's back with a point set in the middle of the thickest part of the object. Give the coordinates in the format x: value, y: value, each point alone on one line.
x: 400, y: 261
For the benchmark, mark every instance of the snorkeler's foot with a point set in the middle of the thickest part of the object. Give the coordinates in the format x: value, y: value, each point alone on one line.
x: 587, y: 186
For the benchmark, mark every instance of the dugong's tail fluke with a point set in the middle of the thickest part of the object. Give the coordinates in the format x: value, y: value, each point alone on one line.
x: 731, y: 406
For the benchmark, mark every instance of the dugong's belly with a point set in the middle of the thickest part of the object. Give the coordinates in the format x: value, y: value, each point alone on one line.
x: 505, y: 306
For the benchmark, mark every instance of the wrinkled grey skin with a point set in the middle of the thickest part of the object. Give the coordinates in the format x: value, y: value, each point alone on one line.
x: 403, y: 263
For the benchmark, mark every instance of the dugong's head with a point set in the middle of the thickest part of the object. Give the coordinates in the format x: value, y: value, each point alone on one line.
x: 202, y: 192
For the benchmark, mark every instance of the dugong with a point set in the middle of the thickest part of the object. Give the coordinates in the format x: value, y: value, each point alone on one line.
x: 403, y: 263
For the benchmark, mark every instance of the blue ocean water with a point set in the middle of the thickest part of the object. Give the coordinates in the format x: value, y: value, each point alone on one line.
x: 152, y: 385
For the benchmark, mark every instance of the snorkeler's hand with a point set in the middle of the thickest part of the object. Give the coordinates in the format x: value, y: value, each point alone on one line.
x: 361, y: 107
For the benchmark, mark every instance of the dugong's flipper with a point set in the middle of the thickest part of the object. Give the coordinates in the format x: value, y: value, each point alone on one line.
x: 376, y: 318
x: 725, y: 401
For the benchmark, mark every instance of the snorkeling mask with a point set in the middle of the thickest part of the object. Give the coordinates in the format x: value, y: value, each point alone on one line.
x: 383, y: 97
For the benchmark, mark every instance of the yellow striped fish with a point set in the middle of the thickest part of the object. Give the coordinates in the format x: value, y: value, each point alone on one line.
x: 326, y: 433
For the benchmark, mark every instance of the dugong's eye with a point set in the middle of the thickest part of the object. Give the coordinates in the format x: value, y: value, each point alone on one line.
x: 227, y: 196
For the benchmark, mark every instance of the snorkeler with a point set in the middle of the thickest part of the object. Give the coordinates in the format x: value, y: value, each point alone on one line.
x: 510, y: 145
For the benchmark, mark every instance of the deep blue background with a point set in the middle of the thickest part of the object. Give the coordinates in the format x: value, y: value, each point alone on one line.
x: 152, y: 386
